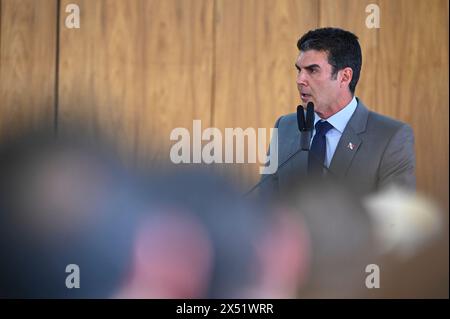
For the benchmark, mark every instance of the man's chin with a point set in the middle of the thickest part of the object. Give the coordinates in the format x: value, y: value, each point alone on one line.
x: 307, y: 100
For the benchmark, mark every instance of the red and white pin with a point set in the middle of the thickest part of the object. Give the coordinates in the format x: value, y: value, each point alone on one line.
x: 351, y: 146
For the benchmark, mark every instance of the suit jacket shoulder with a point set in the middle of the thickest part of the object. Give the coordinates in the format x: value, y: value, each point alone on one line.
x: 384, y: 152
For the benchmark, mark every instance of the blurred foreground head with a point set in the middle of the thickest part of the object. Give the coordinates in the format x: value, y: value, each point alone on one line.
x: 201, y: 239
x: 61, y: 203
x: 411, y: 233
x: 341, y: 239
x: 403, y: 233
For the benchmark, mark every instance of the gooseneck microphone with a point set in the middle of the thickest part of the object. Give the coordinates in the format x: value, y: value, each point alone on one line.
x: 305, y: 126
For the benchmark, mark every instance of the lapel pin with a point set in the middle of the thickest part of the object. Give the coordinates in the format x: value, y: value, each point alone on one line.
x: 351, y: 146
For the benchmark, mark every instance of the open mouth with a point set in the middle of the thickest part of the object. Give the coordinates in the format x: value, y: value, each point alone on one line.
x: 305, y: 96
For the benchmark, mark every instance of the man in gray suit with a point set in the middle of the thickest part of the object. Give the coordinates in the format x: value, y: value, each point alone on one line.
x: 349, y: 142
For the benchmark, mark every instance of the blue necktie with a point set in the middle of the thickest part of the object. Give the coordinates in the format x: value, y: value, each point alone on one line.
x: 316, y: 156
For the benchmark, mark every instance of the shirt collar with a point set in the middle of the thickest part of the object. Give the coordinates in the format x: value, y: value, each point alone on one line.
x: 341, y: 118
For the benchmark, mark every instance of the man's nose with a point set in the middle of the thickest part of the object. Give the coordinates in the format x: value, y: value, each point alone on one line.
x: 301, y: 79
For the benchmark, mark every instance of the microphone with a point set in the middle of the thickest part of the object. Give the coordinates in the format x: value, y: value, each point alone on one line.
x: 305, y: 125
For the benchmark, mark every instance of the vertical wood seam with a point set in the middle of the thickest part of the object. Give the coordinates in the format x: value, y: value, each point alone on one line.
x: 56, y: 87
x: 213, y: 66
x: 319, y: 17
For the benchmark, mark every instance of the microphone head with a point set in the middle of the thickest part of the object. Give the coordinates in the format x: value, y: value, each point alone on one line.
x: 309, y: 116
x: 301, y: 118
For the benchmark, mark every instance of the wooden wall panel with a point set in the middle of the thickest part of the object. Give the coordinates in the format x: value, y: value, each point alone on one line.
x: 27, y: 65
x: 412, y: 81
x: 137, y: 69
x: 256, y: 49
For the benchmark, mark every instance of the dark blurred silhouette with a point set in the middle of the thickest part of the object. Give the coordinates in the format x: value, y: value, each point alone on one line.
x: 400, y: 231
x: 342, y: 242
x: 62, y: 202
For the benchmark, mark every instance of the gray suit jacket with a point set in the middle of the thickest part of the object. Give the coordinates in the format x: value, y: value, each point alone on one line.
x: 381, y: 153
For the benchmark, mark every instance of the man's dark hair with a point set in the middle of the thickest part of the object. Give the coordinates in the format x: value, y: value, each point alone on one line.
x: 342, y: 48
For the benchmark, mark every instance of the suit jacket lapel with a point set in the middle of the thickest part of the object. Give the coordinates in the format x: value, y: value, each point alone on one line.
x: 350, y: 141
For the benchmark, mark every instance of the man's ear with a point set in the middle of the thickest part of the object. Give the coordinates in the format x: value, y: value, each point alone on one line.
x: 345, y: 77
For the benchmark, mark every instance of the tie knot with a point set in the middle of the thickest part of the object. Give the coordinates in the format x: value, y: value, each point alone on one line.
x: 322, y: 127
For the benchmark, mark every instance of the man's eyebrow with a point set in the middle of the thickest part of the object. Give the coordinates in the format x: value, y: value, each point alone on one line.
x: 308, y: 67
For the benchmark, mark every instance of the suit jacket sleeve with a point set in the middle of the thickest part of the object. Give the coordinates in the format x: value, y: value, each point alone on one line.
x: 398, y: 162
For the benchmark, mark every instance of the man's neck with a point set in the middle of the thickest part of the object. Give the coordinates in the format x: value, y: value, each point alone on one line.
x: 339, y: 105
